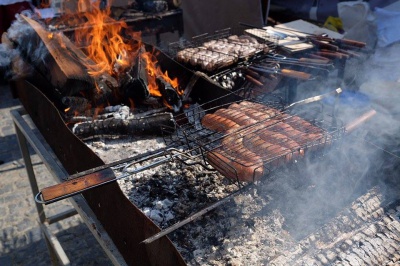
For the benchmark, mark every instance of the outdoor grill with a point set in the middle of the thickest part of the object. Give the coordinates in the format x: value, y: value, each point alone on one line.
x: 221, y: 125
x: 190, y: 144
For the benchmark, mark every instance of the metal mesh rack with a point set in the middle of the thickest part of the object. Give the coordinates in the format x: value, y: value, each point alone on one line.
x: 312, y: 134
x: 223, y: 48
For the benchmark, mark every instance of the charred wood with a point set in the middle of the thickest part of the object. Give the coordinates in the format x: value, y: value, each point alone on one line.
x: 90, y: 114
x: 170, y: 96
x: 133, y: 88
x: 149, y: 125
x: 75, y: 105
x: 64, y: 66
x: 79, y: 119
x: 133, y: 84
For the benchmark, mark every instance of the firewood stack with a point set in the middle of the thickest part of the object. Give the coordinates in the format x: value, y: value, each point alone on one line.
x: 81, y: 97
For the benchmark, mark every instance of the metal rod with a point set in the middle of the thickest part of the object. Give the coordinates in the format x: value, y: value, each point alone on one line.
x: 61, y: 216
x: 314, y: 99
x: 196, y: 215
x: 55, y: 246
x: 23, y: 145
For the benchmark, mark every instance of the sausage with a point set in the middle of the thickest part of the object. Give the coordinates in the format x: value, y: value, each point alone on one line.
x: 218, y: 123
x: 308, y: 140
x: 235, y: 135
x: 255, y: 114
x: 236, y: 168
x: 296, y: 150
x: 256, y: 137
x: 303, y: 125
x: 268, y: 150
x: 236, y: 116
x: 261, y: 108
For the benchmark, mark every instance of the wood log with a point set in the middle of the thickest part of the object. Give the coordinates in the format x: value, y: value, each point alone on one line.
x: 65, y: 66
x: 170, y: 96
x: 148, y: 125
x: 75, y: 105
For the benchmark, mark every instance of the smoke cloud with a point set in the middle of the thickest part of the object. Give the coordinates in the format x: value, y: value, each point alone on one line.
x: 311, y: 193
x: 21, y: 50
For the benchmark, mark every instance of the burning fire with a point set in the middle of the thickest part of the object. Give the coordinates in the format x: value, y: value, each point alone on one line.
x: 104, y: 41
x: 105, y: 45
x: 154, y: 71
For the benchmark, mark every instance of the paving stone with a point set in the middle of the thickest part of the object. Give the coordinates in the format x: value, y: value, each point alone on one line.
x: 353, y: 259
x: 321, y: 258
x: 34, y: 235
x: 5, y: 188
x: 330, y: 255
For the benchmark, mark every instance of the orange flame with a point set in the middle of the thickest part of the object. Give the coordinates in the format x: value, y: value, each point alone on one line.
x: 154, y: 71
x: 101, y: 35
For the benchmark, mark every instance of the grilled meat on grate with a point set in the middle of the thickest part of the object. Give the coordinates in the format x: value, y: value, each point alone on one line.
x: 257, y: 137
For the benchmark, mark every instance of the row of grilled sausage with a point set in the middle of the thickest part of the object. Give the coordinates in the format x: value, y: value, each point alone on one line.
x: 257, y: 137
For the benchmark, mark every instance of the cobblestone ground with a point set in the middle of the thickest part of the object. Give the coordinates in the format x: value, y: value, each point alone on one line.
x: 21, y: 241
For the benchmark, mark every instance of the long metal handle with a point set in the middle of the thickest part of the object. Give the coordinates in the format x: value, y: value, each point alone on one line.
x: 314, y: 99
x: 101, y: 177
x: 351, y: 126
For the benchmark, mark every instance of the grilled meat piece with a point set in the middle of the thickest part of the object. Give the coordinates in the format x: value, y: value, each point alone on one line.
x: 257, y: 137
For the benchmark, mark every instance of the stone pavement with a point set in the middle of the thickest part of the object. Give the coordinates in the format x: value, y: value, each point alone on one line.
x: 21, y: 241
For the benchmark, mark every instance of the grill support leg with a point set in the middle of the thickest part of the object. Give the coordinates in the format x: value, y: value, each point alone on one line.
x: 57, y: 253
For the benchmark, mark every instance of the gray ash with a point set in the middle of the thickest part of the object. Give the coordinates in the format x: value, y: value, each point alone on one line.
x: 308, y: 212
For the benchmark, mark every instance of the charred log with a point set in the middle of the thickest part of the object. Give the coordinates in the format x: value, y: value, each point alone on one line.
x: 75, y: 105
x: 169, y: 94
x: 149, y: 125
x: 65, y: 66
x: 133, y: 84
x: 133, y: 88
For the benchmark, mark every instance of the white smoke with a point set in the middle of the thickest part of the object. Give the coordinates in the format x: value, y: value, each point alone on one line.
x: 21, y: 50
x: 313, y: 192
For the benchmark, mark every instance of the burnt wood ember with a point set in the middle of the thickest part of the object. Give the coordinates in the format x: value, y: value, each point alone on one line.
x: 169, y: 94
x: 148, y: 125
x: 73, y: 74
x: 132, y: 88
x: 75, y: 105
x: 90, y: 114
x: 134, y: 82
